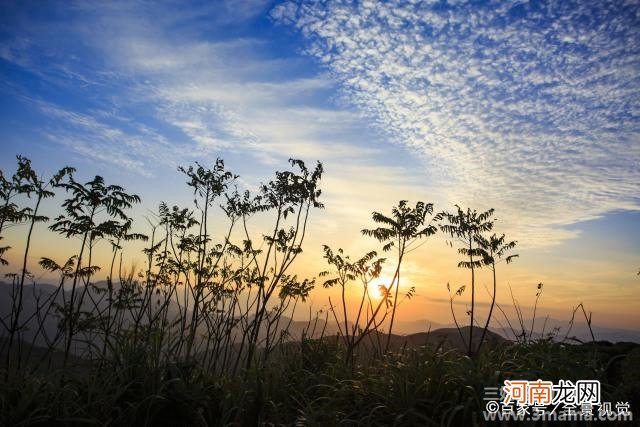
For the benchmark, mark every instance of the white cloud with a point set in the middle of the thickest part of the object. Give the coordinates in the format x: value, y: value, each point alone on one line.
x: 537, y: 117
x: 162, y: 67
x: 226, y: 95
x: 102, y: 136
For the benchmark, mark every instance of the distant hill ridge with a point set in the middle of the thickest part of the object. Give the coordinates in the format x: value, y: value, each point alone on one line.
x: 406, y: 331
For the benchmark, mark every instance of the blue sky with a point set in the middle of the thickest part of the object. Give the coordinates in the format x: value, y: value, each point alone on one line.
x: 530, y: 107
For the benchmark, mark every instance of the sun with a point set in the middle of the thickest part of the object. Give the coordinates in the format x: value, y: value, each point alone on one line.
x: 378, y: 288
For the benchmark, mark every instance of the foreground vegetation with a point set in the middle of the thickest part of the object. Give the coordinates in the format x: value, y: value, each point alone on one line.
x: 309, y: 383
x: 203, y: 335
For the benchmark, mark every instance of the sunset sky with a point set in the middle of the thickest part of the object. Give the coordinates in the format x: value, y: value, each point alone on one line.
x: 531, y: 108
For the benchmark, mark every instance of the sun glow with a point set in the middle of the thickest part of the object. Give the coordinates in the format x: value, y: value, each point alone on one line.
x: 379, y: 288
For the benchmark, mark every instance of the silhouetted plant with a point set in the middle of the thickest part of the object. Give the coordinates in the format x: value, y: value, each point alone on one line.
x: 65, y: 271
x: 525, y: 334
x: 345, y: 271
x: 467, y: 227
x: 26, y: 182
x: 84, y: 210
x: 289, y: 195
x: 208, y: 185
x: 19, y: 184
x: 401, y: 231
x: 587, y: 318
x: 494, y: 250
x: 535, y: 309
x: 458, y: 293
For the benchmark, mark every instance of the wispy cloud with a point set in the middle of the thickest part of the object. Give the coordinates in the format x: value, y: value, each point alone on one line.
x: 163, y: 68
x: 531, y: 108
x: 109, y: 138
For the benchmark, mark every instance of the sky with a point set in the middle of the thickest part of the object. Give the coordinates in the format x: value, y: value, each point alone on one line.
x: 528, y: 107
